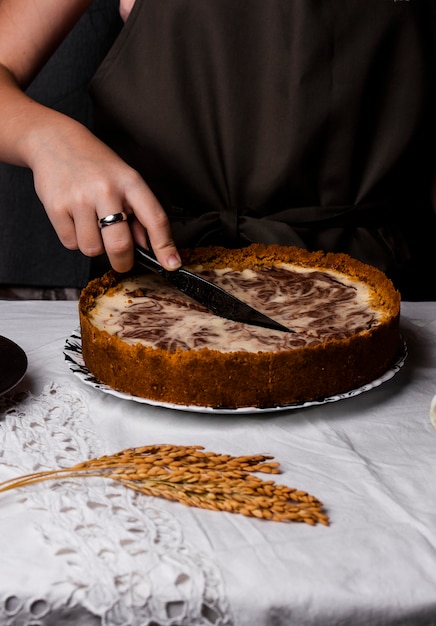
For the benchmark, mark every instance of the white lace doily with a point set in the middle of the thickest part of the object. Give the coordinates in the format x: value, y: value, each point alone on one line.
x: 124, y: 559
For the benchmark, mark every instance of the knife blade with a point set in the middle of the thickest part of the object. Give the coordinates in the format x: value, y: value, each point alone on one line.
x: 213, y: 297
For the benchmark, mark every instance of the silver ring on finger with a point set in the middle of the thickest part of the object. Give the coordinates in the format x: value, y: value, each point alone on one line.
x: 114, y: 218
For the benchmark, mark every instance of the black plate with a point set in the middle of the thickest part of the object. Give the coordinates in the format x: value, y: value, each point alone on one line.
x: 13, y: 364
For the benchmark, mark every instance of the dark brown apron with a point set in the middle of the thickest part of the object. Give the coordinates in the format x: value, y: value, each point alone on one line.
x: 299, y: 122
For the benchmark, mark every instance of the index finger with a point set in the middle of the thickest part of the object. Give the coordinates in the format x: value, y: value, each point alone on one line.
x: 154, y: 219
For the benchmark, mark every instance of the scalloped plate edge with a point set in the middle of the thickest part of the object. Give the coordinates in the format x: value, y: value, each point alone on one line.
x: 74, y: 359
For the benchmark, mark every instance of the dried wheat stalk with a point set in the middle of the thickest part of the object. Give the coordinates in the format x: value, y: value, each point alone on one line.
x: 207, y: 480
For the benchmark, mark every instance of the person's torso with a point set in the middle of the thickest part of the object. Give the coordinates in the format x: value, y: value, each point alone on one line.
x: 297, y: 111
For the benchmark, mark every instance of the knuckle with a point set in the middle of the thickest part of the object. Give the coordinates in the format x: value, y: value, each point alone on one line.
x: 85, y: 195
x: 119, y: 247
x: 57, y: 211
x: 69, y: 243
x: 132, y: 179
x: 91, y: 249
x: 161, y: 223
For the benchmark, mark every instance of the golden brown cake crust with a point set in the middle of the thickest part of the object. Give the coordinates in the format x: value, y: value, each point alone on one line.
x: 245, y: 379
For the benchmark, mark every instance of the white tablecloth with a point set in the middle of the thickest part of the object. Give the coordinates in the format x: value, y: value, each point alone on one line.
x: 90, y: 552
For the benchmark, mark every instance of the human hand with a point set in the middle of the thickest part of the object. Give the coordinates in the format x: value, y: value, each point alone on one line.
x: 80, y: 180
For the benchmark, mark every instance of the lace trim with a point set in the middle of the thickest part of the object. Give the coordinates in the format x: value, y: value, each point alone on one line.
x: 124, y: 559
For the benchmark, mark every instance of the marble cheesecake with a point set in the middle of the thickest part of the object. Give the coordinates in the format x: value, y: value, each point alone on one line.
x: 142, y: 337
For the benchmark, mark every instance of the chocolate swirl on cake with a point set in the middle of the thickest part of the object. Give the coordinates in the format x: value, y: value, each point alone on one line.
x: 315, y: 304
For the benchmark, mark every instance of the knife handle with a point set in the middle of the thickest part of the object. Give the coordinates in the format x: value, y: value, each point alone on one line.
x: 144, y: 257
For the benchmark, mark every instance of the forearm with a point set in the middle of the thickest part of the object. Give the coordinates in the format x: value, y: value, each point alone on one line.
x: 24, y: 122
x: 30, y: 32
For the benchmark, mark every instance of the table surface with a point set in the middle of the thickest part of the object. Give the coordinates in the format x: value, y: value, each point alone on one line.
x: 89, y: 551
